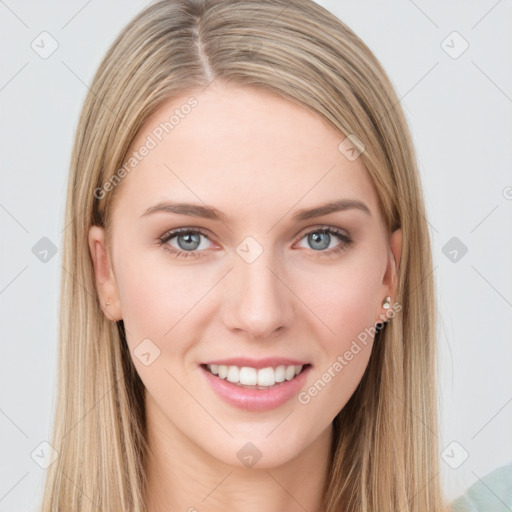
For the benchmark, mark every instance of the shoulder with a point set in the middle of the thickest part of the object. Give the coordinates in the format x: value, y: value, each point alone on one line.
x: 492, y: 493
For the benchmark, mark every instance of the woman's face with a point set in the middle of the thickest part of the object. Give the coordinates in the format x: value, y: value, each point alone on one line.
x: 252, y: 280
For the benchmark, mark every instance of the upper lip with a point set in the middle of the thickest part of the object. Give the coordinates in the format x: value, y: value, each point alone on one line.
x: 257, y: 363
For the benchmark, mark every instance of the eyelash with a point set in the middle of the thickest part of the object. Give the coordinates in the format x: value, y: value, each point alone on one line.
x: 346, y: 241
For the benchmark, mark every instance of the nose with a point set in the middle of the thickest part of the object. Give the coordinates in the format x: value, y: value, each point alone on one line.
x: 259, y: 301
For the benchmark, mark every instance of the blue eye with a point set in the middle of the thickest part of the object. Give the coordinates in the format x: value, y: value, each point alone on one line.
x: 321, y: 238
x: 189, y: 241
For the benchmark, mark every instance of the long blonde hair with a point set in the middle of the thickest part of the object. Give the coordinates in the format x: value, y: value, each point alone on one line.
x: 385, y: 449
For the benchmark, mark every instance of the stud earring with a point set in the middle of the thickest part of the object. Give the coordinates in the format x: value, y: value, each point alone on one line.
x: 108, y: 302
x: 386, y: 304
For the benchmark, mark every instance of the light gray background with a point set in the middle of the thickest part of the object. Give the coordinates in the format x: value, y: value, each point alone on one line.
x: 459, y: 111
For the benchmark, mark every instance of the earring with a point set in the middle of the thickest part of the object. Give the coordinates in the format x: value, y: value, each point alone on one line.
x: 108, y: 302
x: 386, y: 304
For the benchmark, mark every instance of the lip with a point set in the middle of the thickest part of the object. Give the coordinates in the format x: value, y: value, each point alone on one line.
x: 256, y: 400
x: 258, y: 363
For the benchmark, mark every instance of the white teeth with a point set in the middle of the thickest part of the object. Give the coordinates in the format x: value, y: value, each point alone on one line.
x: 266, y: 377
x: 223, y: 371
x: 290, y: 372
x: 280, y: 373
x: 233, y: 374
x: 248, y: 376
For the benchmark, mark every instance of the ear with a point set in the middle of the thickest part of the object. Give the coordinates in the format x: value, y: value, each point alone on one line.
x: 106, y: 285
x: 394, y: 253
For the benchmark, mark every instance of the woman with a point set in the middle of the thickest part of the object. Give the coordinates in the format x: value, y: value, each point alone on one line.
x: 247, y: 302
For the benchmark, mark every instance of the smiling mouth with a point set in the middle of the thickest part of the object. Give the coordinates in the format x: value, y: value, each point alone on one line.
x: 252, y: 378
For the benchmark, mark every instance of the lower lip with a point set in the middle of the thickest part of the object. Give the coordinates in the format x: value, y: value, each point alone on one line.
x: 256, y: 399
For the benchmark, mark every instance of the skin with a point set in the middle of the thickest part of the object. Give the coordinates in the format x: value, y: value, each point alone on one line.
x: 258, y: 158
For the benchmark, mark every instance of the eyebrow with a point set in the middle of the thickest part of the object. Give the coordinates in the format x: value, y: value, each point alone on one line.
x: 209, y: 212
x: 334, y: 206
x: 194, y: 210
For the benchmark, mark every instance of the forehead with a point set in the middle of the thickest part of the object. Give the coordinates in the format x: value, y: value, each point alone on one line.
x: 230, y: 146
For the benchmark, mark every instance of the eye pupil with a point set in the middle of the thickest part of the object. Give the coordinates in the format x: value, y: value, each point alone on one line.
x: 190, y: 238
x: 320, y: 237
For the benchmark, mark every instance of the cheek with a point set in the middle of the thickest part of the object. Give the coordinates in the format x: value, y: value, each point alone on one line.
x: 333, y: 385
x: 164, y: 302
x: 346, y: 305
x: 157, y: 304
x: 154, y: 296
x: 344, y: 298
